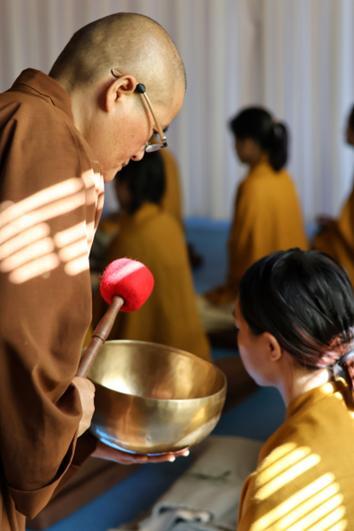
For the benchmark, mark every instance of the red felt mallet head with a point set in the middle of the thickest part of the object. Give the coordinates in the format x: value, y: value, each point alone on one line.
x: 125, y: 285
x: 129, y: 279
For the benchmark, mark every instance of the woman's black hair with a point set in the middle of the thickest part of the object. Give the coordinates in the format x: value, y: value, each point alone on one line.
x: 351, y: 119
x: 257, y: 123
x: 305, y: 300
x: 145, y: 180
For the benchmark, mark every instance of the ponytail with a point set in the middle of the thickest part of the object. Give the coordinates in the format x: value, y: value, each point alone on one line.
x: 351, y: 118
x: 278, y: 146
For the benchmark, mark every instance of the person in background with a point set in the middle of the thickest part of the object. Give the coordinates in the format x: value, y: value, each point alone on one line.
x: 117, y: 81
x: 295, y: 331
x: 336, y: 236
x: 171, y: 202
x: 267, y: 214
x: 150, y: 234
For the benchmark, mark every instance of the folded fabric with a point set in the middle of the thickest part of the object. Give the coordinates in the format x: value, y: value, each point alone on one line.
x: 206, y: 496
x: 215, y: 318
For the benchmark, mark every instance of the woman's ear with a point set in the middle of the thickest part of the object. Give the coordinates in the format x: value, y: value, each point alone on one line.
x: 273, y: 348
x: 115, y: 91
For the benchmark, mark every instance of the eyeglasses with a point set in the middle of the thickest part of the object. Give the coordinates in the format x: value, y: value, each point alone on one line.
x: 150, y: 147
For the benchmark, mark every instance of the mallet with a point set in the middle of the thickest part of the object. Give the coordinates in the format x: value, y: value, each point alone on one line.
x: 125, y: 285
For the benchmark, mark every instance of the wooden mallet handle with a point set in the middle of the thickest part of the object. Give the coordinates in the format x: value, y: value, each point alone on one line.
x: 99, y: 336
x: 125, y: 284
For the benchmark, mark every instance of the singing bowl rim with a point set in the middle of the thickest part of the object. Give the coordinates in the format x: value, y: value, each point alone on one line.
x: 161, y: 346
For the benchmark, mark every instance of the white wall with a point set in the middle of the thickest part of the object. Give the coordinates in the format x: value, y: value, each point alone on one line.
x: 294, y: 56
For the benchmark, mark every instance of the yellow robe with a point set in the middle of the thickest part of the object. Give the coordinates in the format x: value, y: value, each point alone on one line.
x: 267, y: 217
x: 337, y: 238
x: 305, y: 472
x: 172, y: 199
x: 153, y: 237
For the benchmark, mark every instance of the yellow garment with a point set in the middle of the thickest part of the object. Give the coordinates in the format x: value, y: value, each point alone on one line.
x: 267, y: 217
x: 337, y: 238
x: 153, y: 237
x: 172, y: 199
x: 305, y: 474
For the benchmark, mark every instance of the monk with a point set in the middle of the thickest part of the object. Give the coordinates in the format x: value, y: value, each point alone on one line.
x: 336, y: 236
x: 119, y: 80
x: 267, y: 214
x: 295, y: 331
x: 150, y: 234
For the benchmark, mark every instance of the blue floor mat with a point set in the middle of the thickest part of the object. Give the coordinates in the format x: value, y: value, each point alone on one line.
x: 256, y: 417
x: 209, y: 238
x: 126, y: 500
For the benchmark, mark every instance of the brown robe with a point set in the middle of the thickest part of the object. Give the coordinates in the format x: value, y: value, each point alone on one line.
x: 153, y: 237
x: 51, y: 195
x: 337, y: 238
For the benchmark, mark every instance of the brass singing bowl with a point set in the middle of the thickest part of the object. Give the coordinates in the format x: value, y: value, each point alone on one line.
x: 152, y: 398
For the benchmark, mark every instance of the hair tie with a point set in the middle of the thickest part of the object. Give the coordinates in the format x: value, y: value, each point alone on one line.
x: 342, y: 361
x: 341, y: 369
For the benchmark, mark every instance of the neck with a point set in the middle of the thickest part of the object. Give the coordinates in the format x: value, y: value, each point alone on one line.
x: 79, y: 104
x: 80, y: 112
x: 261, y: 158
x: 299, y: 381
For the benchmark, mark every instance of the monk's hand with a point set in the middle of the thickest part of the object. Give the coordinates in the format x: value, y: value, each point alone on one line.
x: 86, y: 390
x: 107, y: 453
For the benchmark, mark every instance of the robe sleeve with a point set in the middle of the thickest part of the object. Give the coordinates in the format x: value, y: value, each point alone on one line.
x: 45, y: 217
x: 337, y: 239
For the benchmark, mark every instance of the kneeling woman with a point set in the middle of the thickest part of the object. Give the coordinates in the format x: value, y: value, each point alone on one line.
x: 295, y: 321
x: 150, y: 234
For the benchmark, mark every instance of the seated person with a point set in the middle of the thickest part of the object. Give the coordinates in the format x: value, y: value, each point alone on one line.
x: 336, y: 236
x: 267, y: 214
x: 171, y: 202
x: 295, y: 321
x: 151, y: 235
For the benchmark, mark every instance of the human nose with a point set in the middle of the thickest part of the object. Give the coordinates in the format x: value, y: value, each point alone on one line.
x: 139, y: 155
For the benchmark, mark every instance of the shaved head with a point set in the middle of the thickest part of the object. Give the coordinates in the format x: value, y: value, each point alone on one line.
x: 128, y: 43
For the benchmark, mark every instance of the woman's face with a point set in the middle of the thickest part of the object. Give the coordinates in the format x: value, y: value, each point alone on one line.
x: 255, y: 351
x: 248, y: 151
